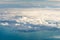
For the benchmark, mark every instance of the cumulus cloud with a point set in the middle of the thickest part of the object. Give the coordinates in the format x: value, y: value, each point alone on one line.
x: 33, y: 16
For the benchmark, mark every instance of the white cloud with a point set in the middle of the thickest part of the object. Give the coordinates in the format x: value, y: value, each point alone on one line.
x: 4, y: 24
x: 34, y: 16
x: 58, y: 37
x: 17, y: 24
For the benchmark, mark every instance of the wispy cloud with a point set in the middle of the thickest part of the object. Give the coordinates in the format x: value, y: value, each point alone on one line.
x: 53, y: 0
x: 33, y: 3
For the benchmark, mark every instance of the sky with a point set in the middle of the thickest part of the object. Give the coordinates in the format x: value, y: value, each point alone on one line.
x: 29, y: 3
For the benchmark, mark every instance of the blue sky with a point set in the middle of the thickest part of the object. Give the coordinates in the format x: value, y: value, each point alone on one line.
x: 29, y: 4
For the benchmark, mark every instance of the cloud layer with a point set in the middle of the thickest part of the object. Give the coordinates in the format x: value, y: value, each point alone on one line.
x: 31, y: 3
x: 34, y: 16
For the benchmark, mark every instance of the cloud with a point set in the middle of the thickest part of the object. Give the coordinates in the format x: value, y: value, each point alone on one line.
x: 58, y: 37
x: 24, y: 3
x: 33, y: 3
x: 22, y: 0
x: 53, y: 0
x: 38, y: 16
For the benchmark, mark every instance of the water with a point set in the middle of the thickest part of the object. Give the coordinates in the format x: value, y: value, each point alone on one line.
x: 8, y: 34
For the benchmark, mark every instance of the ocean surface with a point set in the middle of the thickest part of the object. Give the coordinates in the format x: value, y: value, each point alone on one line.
x: 8, y: 34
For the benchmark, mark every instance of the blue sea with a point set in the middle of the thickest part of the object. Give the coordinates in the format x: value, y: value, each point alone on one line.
x: 8, y: 34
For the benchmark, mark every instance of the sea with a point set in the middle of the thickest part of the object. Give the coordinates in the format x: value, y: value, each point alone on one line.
x: 8, y: 34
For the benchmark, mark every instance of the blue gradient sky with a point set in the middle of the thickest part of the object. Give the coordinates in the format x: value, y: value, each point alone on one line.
x: 29, y: 4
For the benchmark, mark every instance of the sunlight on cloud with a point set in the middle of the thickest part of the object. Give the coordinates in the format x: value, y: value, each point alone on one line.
x: 33, y: 16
